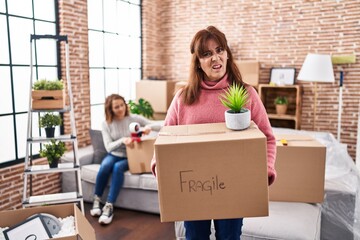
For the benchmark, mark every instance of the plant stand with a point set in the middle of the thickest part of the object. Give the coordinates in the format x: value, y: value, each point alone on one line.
x: 50, y: 101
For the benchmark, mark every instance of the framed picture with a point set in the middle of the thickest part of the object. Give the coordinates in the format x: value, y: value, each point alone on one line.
x: 31, y: 229
x: 282, y: 76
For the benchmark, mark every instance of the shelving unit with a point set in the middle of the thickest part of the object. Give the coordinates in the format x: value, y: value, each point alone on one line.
x: 292, y: 118
x: 30, y: 169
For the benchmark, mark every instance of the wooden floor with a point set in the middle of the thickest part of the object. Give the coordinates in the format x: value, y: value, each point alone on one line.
x: 131, y: 225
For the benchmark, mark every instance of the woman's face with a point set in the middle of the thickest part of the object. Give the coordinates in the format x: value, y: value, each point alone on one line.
x: 119, y: 108
x: 213, y: 61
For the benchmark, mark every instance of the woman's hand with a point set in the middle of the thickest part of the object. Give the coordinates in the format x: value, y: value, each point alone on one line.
x: 129, y: 142
x: 146, y: 130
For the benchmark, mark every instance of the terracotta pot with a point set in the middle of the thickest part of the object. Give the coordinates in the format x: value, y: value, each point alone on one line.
x: 237, y: 121
x: 281, y: 108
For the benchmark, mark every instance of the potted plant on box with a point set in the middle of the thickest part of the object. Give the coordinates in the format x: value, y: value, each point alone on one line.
x: 281, y: 104
x: 53, y: 151
x: 49, y: 121
x: 143, y: 107
x: 44, y: 84
x: 48, y: 94
x: 235, y: 98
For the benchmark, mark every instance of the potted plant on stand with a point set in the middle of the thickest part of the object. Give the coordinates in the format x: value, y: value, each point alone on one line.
x: 49, y: 121
x: 53, y: 151
x: 235, y: 98
x: 281, y: 104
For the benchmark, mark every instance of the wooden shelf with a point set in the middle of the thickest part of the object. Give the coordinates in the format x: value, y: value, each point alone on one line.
x: 268, y: 93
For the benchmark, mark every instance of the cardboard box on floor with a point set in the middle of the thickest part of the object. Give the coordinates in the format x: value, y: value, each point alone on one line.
x: 207, y: 171
x: 139, y: 157
x: 300, y: 170
x: 159, y: 93
x: 83, y: 228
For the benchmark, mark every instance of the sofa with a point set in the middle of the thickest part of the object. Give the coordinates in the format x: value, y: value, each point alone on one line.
x: 139, y: 190
x: 333, y: 219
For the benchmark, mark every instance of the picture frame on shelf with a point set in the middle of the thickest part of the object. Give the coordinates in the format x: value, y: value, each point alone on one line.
x: 282, y: 76
x: 31, y: 229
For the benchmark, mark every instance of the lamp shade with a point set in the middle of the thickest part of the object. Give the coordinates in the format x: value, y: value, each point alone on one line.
x: 317, y: 68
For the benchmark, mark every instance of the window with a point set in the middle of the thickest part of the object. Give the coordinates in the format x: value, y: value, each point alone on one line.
x: 114, y: 52
x: 19, y: 19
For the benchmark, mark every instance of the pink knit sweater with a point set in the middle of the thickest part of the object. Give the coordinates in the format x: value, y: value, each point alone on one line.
x: 208, y: 109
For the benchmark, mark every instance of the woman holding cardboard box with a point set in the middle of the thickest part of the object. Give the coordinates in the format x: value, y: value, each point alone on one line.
x: 116, y: 135
x: 212, y: 70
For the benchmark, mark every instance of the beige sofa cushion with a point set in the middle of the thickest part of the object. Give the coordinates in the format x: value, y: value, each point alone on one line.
x: 136, y: 181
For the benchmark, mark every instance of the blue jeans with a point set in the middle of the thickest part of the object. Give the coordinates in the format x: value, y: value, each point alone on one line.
x: 115, y: 166
x: 226, y: 229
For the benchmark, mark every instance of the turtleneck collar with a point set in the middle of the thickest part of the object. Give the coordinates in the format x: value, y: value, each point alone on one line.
x: 212, y: 85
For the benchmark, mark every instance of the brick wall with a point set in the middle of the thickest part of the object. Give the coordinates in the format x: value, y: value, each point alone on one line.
x: 276, y: 33
x: 73, y: 23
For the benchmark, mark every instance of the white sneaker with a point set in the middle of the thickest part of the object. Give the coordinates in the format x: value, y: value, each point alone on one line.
x: 96, y: 211
x: 107, y: 214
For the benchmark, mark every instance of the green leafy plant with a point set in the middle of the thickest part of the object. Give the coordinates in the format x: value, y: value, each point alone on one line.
x: 235, y: 98
x: 45, y: 84
x: 143, y: 107
x: 281, y: 100
x: 49, y: 120
x: 53, y: 151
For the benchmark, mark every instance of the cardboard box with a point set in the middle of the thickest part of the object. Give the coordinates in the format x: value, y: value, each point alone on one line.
x: 83, y: 228
x: 300, y: 170
x: 206, y: 171
x: 48, y: 99
x: 159, y: 116
x: 158, y: 92
x: 250, y: 72
x: 139, y: 157
x: 179, y: 85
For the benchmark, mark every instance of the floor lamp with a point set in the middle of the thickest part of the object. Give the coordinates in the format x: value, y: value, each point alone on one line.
x: 316, y: 68
x: 341, y: 59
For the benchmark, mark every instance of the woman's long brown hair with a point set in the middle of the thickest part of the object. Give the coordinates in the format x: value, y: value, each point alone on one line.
x: 109, y: 114
x: 197, y: 48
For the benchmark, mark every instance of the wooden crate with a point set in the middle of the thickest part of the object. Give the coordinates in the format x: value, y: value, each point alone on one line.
x: 48, y: 99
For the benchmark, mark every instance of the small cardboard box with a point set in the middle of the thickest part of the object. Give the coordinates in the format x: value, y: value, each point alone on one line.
x: 300, y: 170
x: 206, y: 171
x: 83, y: 228
x: 48, y: 99
x: 159, y: 93
x: 159, y: 116
x: 139, y: 157
x: 179, y: 85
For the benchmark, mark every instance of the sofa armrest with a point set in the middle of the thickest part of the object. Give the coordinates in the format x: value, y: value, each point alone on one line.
x: 86, y: 156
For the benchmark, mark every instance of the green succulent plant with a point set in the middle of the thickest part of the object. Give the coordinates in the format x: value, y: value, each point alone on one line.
x: 45, y: 84
x: 53, y: 151
x: 49, y: 120
x: 143, y: 107
x: 281, y: 100
x: 235, y: 98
